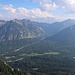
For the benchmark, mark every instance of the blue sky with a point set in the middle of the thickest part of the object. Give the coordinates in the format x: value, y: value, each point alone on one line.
x: 29, y: 4
x: 37, y: 10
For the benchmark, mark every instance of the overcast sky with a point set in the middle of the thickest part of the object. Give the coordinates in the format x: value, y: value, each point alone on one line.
x: 37, y: 10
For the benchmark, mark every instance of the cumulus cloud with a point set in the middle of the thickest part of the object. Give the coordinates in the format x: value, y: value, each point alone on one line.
x: 34, y: 14
x: 67, y: 5
x: 9, y: 8
x: 47, y: 10
x: 47, y: 5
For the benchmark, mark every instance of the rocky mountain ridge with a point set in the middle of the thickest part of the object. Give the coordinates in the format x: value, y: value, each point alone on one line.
x: 20, y: 29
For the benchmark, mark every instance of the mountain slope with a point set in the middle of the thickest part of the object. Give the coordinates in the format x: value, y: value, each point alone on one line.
x: 7, y: 70
x: 66, y: 36
x: 45, y: 57
x: 20, y: 29
x: 2, y: 22
x: 52, y: 29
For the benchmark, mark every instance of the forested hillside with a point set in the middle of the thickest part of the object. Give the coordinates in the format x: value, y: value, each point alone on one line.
x: 5, y: 69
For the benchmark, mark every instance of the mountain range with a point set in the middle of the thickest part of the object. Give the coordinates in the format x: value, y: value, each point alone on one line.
x: 66, y: 36
x: 38, y: 48
x: 19, y: 29
x: 52, y: 29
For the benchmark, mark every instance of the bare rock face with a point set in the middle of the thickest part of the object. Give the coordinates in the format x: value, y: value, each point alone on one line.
x: 20, y: 29
x: 2, y: 22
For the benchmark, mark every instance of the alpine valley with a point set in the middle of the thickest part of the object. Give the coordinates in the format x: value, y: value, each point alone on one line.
x: 32, y: 48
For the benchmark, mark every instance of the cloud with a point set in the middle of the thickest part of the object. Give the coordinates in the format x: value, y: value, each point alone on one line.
x: 34, y: 13
x: 69, y: 16
x: 67, y: 5
x: 1, y: 16
x: 9, y: 8
x: 47, y: 5
x: 47, y: 11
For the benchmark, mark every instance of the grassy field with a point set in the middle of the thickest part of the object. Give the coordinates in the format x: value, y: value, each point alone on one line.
x: 36, y: 54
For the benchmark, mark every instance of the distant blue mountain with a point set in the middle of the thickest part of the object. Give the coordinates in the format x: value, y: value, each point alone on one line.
x: 66, y: 36
x: 51, y: 29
